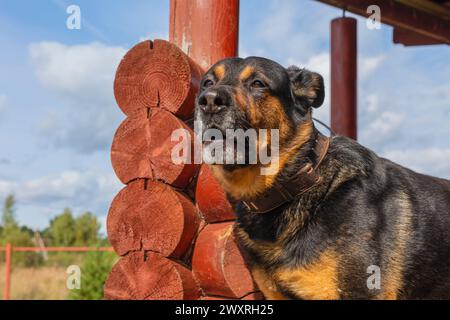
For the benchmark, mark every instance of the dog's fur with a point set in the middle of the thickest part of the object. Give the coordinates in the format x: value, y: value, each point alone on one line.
x: 366, y: 211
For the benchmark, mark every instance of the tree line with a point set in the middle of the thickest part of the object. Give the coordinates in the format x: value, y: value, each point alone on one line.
x: 64, y: 230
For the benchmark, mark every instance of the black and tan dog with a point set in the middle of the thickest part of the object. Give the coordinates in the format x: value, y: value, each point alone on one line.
x: 334, y: 212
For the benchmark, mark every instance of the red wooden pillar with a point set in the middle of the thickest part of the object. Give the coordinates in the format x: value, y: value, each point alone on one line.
x: 344, y: 77
x: 8, y: 254
x: 207, y: 30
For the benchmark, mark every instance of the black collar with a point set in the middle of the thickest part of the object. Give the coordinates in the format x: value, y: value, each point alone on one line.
x: 286, y: 191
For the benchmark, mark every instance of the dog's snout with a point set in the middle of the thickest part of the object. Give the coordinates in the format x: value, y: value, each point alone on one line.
x: 213, y: 101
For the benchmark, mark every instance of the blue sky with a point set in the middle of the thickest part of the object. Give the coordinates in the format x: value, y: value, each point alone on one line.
x: 58, y: 114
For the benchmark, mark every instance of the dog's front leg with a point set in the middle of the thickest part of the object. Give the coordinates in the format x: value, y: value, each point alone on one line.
x: 266, y: 285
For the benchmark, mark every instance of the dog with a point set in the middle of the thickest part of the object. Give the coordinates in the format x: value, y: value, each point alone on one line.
x: 334, y: 221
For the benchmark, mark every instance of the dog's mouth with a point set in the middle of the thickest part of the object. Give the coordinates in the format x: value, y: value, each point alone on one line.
x: 227, y: 149
x: 223, y: 138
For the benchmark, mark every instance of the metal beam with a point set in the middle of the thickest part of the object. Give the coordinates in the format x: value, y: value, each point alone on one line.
x: 398, y: 15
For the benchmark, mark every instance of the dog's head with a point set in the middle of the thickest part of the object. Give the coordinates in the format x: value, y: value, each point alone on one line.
x: 257, y: 93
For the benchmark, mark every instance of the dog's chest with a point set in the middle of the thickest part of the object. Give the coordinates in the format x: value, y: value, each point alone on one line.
x: 315, y: 281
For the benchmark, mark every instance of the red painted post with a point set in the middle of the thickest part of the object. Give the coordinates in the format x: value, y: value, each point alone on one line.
x: 8, y: 254
x: 207, y: 30
x: 344, y: 77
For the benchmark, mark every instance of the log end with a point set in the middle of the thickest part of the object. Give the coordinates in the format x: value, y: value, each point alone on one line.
x: 157, y: 74
x: 152, y: 216
x: 150, y: 276
x: 143, y: 148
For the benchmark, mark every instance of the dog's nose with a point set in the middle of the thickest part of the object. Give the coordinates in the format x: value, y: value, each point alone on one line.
x: 213, y: 101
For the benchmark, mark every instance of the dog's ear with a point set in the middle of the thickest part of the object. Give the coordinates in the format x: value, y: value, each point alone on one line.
x: 307, y: 87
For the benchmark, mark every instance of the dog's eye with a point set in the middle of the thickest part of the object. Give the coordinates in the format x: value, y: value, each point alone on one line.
x: 258, y: 84
x: 208, y: 83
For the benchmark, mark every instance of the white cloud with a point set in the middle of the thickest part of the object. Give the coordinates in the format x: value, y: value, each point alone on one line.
x: 68, y: 186
x: 82, y: 77
x: 78, y: 190
x: 279, y: 23
x: 6, y: 187
x: 433, y: 161
x: 369, y: 64
x: 383, y: 125
x: 371, y: 103
x: 85, y: 72
x: 282, y: 29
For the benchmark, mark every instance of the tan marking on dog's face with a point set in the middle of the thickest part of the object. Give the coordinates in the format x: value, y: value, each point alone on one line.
x: 266, y: 112
x: 219, y: 72
x: 275, y: 117
x: 246, y: 73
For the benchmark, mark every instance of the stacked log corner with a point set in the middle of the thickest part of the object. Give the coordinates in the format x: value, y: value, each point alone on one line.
x: 171, y: 246
x: 152, y: 222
